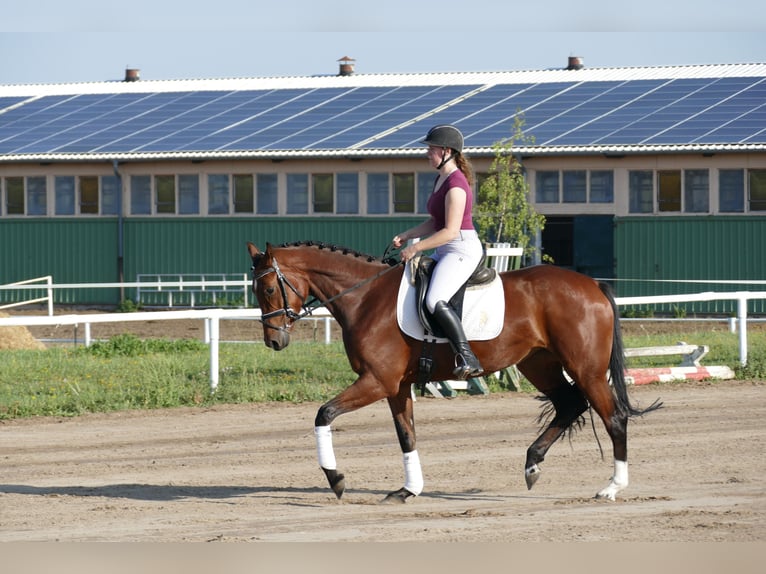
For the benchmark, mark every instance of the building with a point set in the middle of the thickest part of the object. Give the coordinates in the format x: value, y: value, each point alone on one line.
x: 652, y: 175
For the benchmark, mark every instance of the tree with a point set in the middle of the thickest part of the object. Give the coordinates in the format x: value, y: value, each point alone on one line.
x: 503, y: 212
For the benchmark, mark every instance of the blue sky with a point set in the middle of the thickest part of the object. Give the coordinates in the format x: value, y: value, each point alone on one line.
x: 56, y: 41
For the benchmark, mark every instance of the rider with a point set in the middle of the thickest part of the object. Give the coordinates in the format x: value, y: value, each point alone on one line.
x: 451, y: 233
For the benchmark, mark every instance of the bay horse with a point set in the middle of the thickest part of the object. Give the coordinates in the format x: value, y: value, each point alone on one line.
x: 556, y: 321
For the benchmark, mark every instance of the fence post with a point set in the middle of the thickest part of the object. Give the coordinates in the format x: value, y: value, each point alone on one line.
x: 49, y: 280
x: 742, y: 316
x: 214, y: 335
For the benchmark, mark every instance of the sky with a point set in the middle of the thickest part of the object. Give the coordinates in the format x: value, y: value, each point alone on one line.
x: 62, y: 41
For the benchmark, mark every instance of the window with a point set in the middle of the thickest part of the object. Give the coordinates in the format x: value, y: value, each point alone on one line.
x: 89, y: 195
x: 244, y: 194
x: 140, y: 195
x: 165, y: 186
x: 377, y: 193
x: 602, y: 186
x: 14, y: 195
x: 696, y: 191
x: 404, y: 193
x: 425, y: 188
x: 297, y: 193
x: 218, y: 194
x: 322, y: 193
x: 669, y: 190
x: 640, y: 191
x: 757, y: 181
x: 63, y: 189
x: 547, y: 187
x: 110, y: 195
x: 188, y: 194
x: 37, y: 192
x: 575, y: 188
x: 348, y: 193
x: 267, y: 193
x: 731, y: 190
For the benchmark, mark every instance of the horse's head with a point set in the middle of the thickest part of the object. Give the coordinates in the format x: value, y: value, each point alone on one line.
x: 280, y: 297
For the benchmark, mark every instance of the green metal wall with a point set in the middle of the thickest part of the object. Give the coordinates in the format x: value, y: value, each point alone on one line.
x: 71, y: 250
x: 86, y: 250
x: 651, y: 253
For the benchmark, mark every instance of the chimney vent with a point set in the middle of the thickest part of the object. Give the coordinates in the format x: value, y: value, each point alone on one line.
x: 132, y: 74
x: 575, y: 63
x: 346, y: 66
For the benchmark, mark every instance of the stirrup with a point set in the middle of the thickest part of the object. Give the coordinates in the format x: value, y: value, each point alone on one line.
x: 463, y: 370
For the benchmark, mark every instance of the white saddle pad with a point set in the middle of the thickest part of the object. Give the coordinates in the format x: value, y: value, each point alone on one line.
x: 483, y: 310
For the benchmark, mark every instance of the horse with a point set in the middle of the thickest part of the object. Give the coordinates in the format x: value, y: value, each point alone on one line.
x: 557, y: 322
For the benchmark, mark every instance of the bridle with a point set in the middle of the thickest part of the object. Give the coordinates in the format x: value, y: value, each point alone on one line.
x: 307, y: 308
x: 286, y: 310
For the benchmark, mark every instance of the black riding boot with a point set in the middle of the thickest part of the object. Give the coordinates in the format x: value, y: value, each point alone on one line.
x: 467, y: 365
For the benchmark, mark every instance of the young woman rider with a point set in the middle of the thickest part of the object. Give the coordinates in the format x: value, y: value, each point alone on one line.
x: 450, y: 232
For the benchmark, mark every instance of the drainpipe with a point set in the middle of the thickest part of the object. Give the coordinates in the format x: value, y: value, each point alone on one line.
x: 120, y: 242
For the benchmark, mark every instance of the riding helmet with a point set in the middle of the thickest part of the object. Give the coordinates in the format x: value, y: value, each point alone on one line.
x: 445, y: 136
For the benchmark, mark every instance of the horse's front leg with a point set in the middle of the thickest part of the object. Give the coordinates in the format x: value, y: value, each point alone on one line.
x: 363, y: 392
x: 404, y: 421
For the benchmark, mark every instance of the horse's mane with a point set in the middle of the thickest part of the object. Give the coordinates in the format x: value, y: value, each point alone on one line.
x: 387, y: 260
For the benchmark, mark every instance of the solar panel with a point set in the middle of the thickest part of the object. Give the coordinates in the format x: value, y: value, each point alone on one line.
x: 7, y: 102
x: 629, y: 111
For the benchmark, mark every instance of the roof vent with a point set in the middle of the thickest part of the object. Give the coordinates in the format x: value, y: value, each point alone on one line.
x: 346, y: 66
x: 132, y: 74
x: 575, y: 63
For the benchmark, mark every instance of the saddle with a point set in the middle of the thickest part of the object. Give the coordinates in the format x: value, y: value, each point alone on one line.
x: 423, y: 270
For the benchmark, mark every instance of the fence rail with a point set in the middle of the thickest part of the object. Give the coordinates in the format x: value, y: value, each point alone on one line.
x: 179, y: 288
x: 212, y: 317
x: 32, y: 284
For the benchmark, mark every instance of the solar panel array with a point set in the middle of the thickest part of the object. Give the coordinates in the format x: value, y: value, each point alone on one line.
x: 723, y: 110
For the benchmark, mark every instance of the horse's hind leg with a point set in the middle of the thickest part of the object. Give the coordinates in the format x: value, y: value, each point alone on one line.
x: 546, y: 374
x: 616, y: 422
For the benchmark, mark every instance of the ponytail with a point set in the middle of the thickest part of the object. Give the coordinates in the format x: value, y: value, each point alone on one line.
x: 464, y: 165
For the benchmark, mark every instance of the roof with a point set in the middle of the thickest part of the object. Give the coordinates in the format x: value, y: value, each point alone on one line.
x: 709, y: 108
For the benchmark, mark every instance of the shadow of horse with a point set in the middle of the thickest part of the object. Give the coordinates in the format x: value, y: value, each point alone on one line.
x: 172, y: 492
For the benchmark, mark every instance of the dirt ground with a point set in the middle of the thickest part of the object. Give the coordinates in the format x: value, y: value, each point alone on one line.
x: 249, y: 473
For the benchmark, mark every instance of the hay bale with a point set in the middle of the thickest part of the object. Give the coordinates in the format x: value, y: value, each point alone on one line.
x: 17, y: 338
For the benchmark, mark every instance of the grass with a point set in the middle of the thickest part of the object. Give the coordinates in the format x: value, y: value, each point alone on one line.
x: 130, y: 373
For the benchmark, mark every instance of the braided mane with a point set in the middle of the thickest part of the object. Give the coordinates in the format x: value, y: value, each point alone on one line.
x: 344, y: 250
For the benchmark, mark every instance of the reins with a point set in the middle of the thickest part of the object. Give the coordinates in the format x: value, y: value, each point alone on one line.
x: 308, y: 308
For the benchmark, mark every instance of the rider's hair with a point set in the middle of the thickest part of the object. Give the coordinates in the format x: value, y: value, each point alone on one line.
x: 464, y: 165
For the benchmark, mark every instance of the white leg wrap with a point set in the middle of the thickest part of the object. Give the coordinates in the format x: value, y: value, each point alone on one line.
x: 325, y: 452
x: 413, y: 474
x: 619, y: 480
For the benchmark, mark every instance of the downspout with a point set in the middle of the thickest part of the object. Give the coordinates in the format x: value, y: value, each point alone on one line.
x: 120, y: 242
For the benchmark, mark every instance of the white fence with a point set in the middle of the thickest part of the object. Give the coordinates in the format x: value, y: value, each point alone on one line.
x: 32, y: 284
x: 212, y: 317
x: 195, y: 289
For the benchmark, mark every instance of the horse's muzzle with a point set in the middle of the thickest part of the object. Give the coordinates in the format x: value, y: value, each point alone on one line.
x: 278, y: 341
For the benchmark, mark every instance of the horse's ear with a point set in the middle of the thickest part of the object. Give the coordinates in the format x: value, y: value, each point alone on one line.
x: 252, y: 250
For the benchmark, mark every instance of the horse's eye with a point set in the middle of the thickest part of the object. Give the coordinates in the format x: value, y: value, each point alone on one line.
x: 270, y: 290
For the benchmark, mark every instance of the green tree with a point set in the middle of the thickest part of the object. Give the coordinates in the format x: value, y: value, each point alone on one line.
x: 503, y: 212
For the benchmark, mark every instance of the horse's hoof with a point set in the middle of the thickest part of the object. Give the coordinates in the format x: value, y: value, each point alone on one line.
x: 337, y: 481
x: 531, y: 475
x: 398, y: 497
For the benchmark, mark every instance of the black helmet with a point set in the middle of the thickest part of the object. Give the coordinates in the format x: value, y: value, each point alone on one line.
x: 445, y: 136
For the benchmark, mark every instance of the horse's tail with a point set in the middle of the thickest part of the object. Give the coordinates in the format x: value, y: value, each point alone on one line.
x: 617, y: 362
